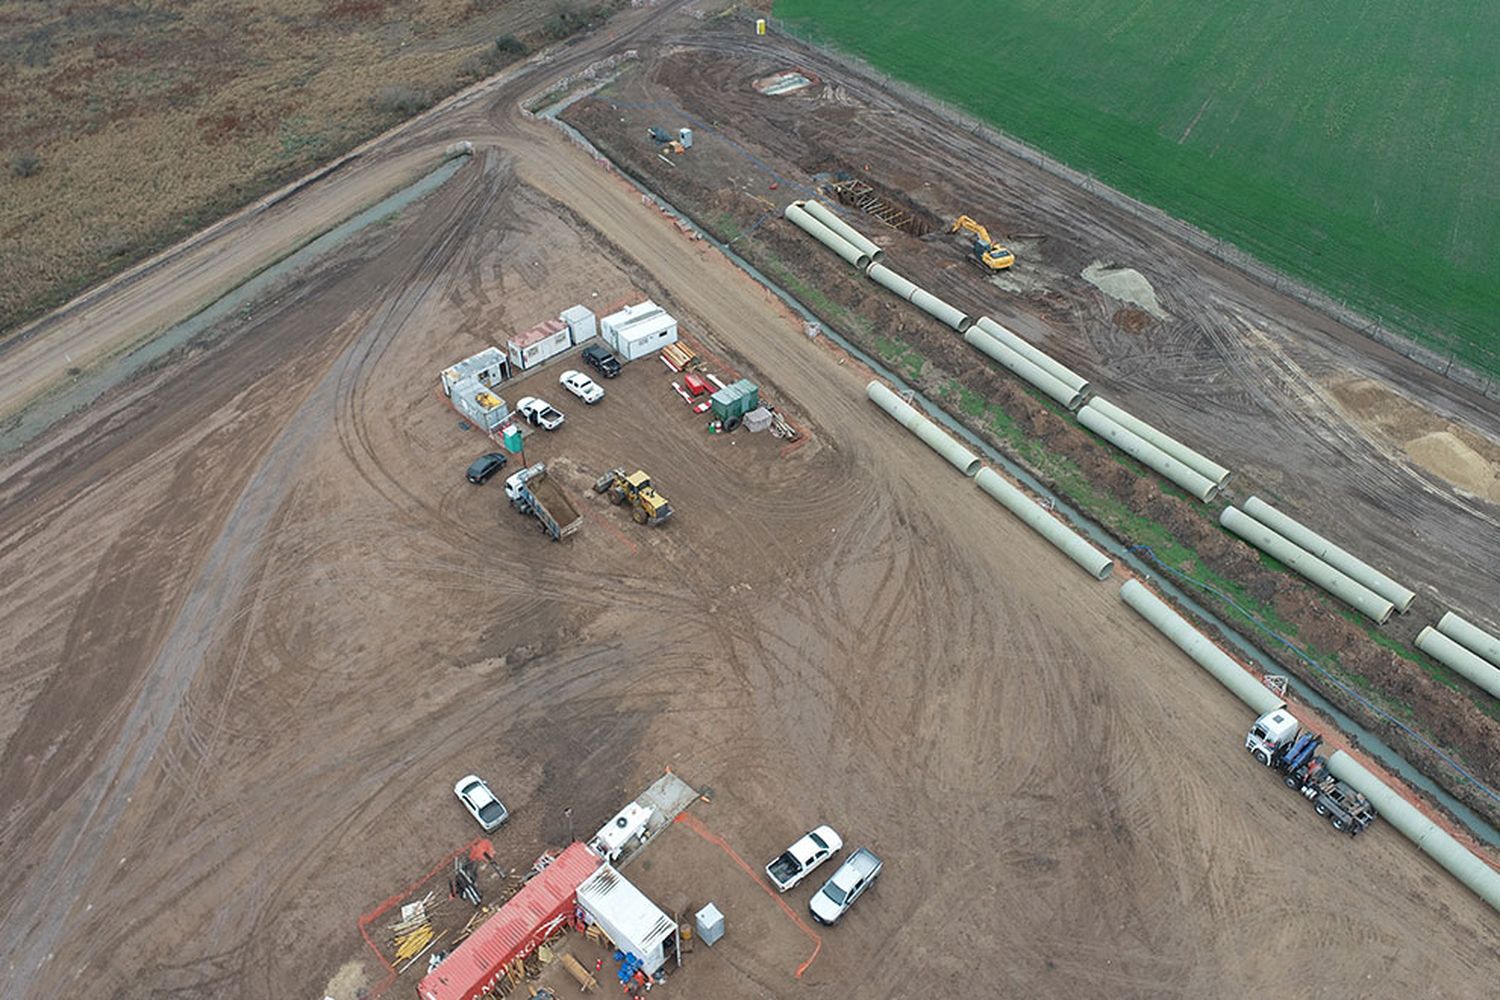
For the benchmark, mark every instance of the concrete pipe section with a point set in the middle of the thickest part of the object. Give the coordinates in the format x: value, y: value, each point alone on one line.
x: 885, y: 277
x: 1471, y: 637
x: 1461, y: 863
x: 1169, y: 623
x: 1308, y: 566
x: 1205, y: 467
x: 829, y: 218
x: 1041, y: 359
x: 1058, y: 390
x: 1148, y: 454
x: 1330, y: 553
x: 937, y: 308
x: 830, y: 239
x: 1460, y: 660
x: 906, y: 415
x: 1043, y: 523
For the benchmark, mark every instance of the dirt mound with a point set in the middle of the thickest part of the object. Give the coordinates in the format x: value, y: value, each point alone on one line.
x: 1468, y: 460
x: 1445, y: 454
x: 1131, y: 319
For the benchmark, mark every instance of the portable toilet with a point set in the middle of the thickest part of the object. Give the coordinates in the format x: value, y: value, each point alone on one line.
x: 685, y: 136
x: 731, y: 403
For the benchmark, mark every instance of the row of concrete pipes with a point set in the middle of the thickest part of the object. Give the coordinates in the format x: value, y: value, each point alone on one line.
x: 1304, y: 551
x: 1467, y: 867
x: 1012, y: 498
x: 1463, y: 647
x: 1198, y: 475
x: 1462, y: 863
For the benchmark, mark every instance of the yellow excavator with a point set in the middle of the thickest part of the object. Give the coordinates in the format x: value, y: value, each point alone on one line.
x: 986, y: 252
x: 650, y: 507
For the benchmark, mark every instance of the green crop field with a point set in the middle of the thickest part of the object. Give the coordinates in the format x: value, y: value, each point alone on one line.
x: 1353, y: 145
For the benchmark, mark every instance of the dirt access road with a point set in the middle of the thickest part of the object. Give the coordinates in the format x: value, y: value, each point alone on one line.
x: 259, y: 623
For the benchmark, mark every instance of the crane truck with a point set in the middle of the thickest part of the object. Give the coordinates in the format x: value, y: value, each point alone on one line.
x: 1280, y: 742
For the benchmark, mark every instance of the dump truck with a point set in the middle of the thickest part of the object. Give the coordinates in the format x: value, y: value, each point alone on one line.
x: 635, y: 489
x: 532, y: 491
x: 1281, y: 743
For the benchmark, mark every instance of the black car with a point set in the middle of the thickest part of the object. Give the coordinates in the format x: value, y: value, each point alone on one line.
x: 603, y: 362
x: 484, y: 467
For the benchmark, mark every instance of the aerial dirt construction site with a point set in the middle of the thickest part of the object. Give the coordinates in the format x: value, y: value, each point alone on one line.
x: 685, y: 515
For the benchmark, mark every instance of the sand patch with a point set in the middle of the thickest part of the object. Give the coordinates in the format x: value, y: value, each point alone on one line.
x: 1457, y: 454
x: 349, y: 983
x: 1126, y: 284
x: 1445, y: 454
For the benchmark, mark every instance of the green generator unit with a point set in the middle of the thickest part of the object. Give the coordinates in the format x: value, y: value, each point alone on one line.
x: 731, y: 403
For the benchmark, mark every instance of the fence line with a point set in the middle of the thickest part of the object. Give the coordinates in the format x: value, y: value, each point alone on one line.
x: 1442, y: 361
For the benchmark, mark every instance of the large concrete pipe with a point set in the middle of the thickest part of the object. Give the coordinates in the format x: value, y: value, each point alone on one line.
x: 1330, y: 553
x: 826, y: 236
x: 1471, y: 637
x: 1040, y: 358
x: 884, y: 276
x: 934, y: 306
x: 906, y: 415
x: 1450, y: 654
x: 1205, y: 467
x: 1034, y: 517
x: 1144, y: 451
x: 1461, y: 863
x: 829, y: 218
x: 1058, y: 390
x: 1307, y: 565
x: 1169, y: 623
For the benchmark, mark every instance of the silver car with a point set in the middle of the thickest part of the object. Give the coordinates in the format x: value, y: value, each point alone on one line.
x: 854, y: 876
x: 487, y: 810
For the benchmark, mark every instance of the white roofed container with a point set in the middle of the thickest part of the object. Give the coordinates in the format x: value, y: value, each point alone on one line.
x: 637, y: 330
x: 636, y: 925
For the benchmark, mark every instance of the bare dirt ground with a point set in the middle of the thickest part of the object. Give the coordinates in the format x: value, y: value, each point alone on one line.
x: 1241, y: 372
x: 1394, y: 463
x: 258, y: 623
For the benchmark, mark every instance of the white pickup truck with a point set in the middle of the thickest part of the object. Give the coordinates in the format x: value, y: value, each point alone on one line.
x: 794, y: 864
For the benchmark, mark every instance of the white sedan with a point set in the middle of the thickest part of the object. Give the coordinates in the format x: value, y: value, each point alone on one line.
x: 539, y: 413
x: 476, y: 796
x: 582, y: 386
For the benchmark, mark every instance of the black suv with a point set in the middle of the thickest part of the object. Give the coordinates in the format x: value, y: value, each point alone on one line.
x: 603, y: 362
x: 484, y: 467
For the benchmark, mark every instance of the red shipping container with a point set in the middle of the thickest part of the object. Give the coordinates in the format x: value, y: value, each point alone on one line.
x: 525, y: 921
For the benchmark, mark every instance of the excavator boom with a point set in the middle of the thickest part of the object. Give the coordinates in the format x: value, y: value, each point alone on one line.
x: 986, y: 251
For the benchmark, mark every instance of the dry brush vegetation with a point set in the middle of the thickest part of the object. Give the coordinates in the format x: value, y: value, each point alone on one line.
x: 126, y: 124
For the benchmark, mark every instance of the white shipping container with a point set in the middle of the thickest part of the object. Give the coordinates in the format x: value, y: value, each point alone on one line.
x: 637, y: 330
x: 580, y: 320
x: 543, y: 341
x: 488, y: 366
x: 636, y: 925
